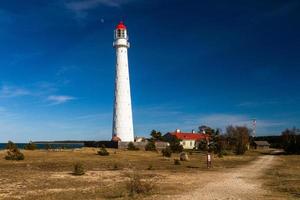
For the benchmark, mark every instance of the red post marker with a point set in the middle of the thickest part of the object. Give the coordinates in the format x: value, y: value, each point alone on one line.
x: 209, y: 160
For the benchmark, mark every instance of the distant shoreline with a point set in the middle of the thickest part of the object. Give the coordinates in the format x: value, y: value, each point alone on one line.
x: 59, y: 142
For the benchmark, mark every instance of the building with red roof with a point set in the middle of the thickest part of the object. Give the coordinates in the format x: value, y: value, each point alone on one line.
x: 189, y: 140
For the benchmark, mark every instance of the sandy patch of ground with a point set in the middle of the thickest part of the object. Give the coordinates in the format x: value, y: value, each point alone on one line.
x: 239, y: 183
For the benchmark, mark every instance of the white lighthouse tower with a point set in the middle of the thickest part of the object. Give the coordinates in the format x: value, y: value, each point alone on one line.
x: 122, y: 119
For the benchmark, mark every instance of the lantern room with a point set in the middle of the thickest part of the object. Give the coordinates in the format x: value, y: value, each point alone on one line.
x: 121, y: 32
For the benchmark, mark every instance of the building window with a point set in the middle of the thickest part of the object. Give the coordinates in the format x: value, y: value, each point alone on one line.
x: 191, y: 143
x: 183, y: 143
x: 118, y: 33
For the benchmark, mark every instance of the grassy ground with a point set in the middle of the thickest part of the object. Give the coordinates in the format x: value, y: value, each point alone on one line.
x: 48, y: 175
x: 284, y: 177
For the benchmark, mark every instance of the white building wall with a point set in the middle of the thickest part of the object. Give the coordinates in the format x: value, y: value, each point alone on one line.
x: 188, y: 144
x: 122, y: 116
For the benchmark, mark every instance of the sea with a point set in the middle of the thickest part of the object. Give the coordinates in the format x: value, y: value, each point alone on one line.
x: 52, y: 145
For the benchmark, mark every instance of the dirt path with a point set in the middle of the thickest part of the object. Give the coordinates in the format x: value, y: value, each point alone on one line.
x: 238, y: 183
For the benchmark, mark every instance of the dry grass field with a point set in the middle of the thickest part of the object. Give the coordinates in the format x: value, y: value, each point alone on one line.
x: 48, y: 175
x: 284, y: 177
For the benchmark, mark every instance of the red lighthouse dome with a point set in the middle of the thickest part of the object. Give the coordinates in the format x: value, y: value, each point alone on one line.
x: 121, y: 25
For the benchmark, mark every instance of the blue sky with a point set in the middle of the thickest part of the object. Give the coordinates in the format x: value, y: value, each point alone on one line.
x: 191, y: 63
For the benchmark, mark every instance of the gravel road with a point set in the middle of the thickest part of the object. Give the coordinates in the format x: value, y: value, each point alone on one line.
x: 238, y: 183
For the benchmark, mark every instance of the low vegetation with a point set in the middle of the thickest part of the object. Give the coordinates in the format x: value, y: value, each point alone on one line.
x: 138, y: 185
x: 10, y: 145
x: 30, y: 146
x: 103, y: 151
x: 150, y: 146
x: 13, y: 153
x: 132, y: 147
x: 49, y: 171
x: 176, y: 161
x: 78, y: 169
x: 167, y: 152
x: 284, y: 178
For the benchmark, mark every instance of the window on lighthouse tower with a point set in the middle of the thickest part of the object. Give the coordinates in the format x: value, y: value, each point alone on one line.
x: 120, y: 33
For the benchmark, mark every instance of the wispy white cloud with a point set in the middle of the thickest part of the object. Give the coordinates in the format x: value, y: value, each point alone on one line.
x: 59, y: 99
x: 12, y: 91
x: 42, y: 91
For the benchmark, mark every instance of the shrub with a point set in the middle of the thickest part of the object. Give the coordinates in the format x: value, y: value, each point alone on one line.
x: 176, y: 162
x: 10, y: 145
x: 30, y: 146
x: 78, y: 169
x: 131, y: 147
x: 150, y: 167
x: 175, y: 145
x: 150, y: 146
x: 136, y: 185
x: 203, y: 145
x: 14, y: 154
x: 167, y: 152
x: 115, y: 167
x: 103, y: 151
x: 291, y: 141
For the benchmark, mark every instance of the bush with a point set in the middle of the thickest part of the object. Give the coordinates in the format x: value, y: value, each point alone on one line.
x: 115, y: 167
x: 14, y: 154
x: 167, y: 152
x: 103, y: 151
x: 136, y: 185
x: 291, y: 141
x: 131, y: 147
x: 30, y: 146
x: 150, y: 146
x: 150, y: 167
x: 203, y: 145
x: 10, y: 145
x: 175, y: 145
x: 78, y: 169
x: 176, y: 162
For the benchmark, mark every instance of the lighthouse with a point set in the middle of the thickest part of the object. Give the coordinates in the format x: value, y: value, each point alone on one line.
x: 122, y: 116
